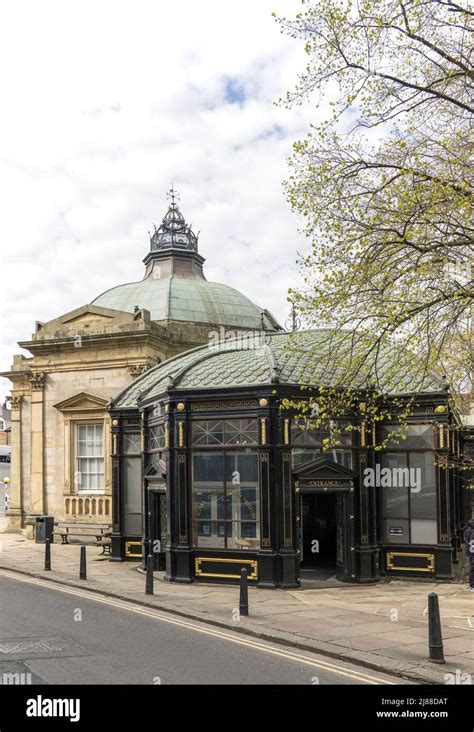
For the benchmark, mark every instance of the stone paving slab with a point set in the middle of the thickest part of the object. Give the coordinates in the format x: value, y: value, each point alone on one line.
x: 382, y: 626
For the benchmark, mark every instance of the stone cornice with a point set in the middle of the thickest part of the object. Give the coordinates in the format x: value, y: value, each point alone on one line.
x: 100, y: 340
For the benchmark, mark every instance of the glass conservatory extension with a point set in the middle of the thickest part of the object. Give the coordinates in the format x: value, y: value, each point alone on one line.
x: 212, y: 474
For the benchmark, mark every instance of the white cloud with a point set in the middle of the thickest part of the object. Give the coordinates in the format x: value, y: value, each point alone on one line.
x: 104, y: 104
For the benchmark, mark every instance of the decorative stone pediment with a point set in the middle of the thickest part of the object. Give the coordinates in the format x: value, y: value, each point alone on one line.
x: 323, y: 474
x: 82, y: 402
x: 88, y: 316
x: 88, y: 320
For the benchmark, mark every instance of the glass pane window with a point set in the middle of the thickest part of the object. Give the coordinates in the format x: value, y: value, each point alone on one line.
x: 417, y: 436
x: 225, y: 499
x: 241, y: 467
x: 394, y: 489
x: 423, y: 531
x: 208, y: 500
x: 304, y: 434
x: 156, y: 438
x: 409, y: 497
x: 131, y: 444
x: 304, y: 455
x: 132, y: 496
x: 225, y: 432
x: 241, y: 432
x: 243, y: 534
x: 208, y: 432
x: 90, y: 457
x: 208, y: 468
x: 423, y: 490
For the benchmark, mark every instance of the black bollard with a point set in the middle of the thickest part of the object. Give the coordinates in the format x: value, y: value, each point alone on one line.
x: 47, y: 556
x: 83, y: 565
x: 434, y: 630
x: 244, y: 593
x: 149, y: 575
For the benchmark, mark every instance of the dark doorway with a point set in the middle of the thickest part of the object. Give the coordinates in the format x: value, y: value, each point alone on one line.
x: 157, y: 526
x: 319, y: 532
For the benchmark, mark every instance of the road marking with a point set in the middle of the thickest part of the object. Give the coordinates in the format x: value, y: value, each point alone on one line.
x: 243, y: 641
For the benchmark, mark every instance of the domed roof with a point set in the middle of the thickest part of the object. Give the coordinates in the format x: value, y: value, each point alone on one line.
x: 175, y: 288
x: 187, y: 299
x: 307, y: 358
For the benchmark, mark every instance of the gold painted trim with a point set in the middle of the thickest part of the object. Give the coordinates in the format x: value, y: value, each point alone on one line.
x: 362, y: 435
x: 429, y: 557
x: 181, y: 434
x: 253, y: 564
x: 114, y: 438
x: 180, y: 407
x: 213, y: 405
x: 263, y: 402
x: 129, y: 553
x: 441, y: 436
x: 167, y: 435
x: 264, y: 430
x: 286, y: 432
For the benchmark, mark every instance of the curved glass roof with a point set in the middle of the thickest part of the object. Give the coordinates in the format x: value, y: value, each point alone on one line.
x: 191, y: 300
x: 301, y: 358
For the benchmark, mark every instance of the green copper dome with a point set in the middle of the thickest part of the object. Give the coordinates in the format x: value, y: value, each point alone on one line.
x: 174, y: 286
x: 191, y: 300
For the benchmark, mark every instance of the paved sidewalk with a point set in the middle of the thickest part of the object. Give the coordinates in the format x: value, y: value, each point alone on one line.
x: 381, y: 626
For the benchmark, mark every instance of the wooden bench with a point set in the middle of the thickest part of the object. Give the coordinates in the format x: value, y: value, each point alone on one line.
x: 101, y: 532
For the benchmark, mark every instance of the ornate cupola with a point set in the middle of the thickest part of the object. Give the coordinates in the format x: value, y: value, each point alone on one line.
x: 174, y: 246
x: 174, y: 288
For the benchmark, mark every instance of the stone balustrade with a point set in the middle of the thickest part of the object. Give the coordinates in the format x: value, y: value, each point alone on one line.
x: 87, y: 506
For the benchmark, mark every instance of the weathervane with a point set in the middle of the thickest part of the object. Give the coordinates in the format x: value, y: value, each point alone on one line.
x: 172, y: 195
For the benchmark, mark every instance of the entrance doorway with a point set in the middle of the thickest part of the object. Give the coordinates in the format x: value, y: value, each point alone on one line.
x: 157, y: 525
x: 319, y: 534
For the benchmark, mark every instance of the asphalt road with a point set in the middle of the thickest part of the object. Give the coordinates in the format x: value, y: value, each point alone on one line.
x: 67, y: 636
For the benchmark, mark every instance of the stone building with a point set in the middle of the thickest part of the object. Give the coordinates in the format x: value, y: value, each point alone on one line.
x: 5, y: 423
x: 60, y: 425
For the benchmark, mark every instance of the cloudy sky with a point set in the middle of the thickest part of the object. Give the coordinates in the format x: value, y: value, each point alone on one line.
x: 103, y: 105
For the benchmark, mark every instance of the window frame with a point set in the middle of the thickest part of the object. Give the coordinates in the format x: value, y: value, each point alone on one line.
x: 401, y: 448
x: 225, y: 452
x: 224, y: 444
x: 79, y: 489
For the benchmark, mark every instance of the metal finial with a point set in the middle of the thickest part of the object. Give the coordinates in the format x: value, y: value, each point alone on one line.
x: 293, y: 321
x: 172, y: 195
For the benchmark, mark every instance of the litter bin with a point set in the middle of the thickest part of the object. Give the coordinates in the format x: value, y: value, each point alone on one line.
x: 44, y: 529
